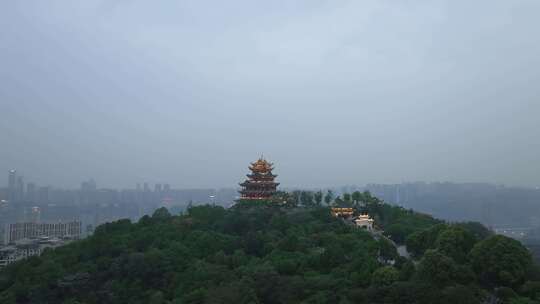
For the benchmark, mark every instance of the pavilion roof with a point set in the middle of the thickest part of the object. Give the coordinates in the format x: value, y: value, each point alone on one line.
x: 261, y: 166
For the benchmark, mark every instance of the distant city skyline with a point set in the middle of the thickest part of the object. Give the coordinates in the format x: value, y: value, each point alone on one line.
x: 93, y: 184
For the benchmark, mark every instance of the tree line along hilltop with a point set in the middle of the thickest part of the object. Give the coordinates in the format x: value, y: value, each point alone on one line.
x: 285, y: 250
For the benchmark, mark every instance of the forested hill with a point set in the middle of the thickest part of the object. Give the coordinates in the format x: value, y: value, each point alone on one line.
x: 270, y: 254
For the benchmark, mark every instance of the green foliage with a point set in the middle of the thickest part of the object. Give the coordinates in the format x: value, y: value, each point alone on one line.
x: 522, y: 300
x: 397, y: 222
x: 478, y: 230
x: 505, y: 293
x: 455, y: 242
x: 407, y: 270
x: 531, y: 289
x: 438, y: 269
x: 161, y: 214
x: 420, y: 241
x: 387, y: 251
x: 318, y: 197
x: 357, y: 196
x: 274, y: 252
x: 306, y: 198
x: 500, y: 261
x: 247, y: 254
x: 328, y: 197
x: 385, y: 276
x: 458, y: 294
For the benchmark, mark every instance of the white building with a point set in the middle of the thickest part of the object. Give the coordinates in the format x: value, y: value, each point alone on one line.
x: 364, y: 221
x: 26, y: 248
x: 28, y: 230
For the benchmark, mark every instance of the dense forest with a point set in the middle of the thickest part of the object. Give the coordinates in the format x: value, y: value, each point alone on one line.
x: 289, y: 250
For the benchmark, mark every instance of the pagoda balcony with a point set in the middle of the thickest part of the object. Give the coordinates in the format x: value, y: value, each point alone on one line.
x: 259, y: 184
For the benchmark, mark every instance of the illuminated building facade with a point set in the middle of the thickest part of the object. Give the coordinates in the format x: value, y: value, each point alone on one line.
x: 260, y: 184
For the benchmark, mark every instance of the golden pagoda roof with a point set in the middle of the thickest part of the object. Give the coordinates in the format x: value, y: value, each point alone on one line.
x: 261, y: 166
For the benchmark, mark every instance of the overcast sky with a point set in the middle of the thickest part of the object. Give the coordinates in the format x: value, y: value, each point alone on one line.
x: 334, y: 92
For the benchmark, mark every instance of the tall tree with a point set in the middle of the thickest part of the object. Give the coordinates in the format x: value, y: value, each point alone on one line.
x: 500, y: 260
x: 438, y: 269
x: 306, y: 197
x: 456, y: 243
x: 318, y: 196
x: 357, y: 197
x: 328, y: 197
x: 295, y: 197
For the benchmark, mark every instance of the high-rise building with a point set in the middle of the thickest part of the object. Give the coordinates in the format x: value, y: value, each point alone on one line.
x: 138, y: 193
x: 12, y: 185
x: 19, y: 193
x: 3, y: 195
x: 157, y: 188
x: 84, y: 186
x: 43, y: 195
x: 31, y: 194
x: 89, y: 186
x: 167, y: 188
x: 92, y: 186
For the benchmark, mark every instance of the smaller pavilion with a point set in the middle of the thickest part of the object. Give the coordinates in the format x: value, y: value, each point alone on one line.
x: 364, y: 221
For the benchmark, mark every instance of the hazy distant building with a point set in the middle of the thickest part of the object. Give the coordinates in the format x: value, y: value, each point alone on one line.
x: 3, y: 194
x: 167, y: 188
x: 88, y: 192
x: 28, y: 230
x: 26, y: 248
x: 35, y: 215
x: 19, y: 191
x: 157, y: 188
x: 43, y: 195
x: 31, y: 194
x: 89, y: 186
x: 12, y: 185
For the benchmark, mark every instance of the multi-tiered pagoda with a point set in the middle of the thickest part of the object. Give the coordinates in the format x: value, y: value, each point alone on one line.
x: 260, y: 184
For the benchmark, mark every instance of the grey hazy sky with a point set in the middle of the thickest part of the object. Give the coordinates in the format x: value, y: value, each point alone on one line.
x: 334, y: 92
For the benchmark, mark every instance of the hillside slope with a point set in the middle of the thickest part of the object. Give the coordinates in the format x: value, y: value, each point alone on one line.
x: 269, y: 254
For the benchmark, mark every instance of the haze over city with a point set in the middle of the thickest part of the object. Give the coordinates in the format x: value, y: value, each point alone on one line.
x: 273, y: 152
x: 334, y: 93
